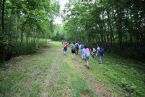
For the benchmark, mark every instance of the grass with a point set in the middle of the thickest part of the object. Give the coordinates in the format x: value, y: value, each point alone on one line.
x: 50, y: 73
x: 42, y: 72
x: 24, y: 75
x: 115, y: 70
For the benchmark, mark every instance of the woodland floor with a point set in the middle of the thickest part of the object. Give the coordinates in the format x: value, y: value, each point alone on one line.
x: 50, y: 73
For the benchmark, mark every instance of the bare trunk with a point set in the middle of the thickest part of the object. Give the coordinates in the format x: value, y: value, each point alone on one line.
x: 3, y: 11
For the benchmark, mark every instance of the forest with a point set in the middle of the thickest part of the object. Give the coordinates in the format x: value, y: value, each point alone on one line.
x: 119, y: 25
x: 25, y: 25
x: 37, y: 58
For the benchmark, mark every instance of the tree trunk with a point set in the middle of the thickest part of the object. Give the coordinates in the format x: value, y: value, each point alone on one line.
x: 0, y: 15
x: 110, y: 28
x: 119, y: 27
x: 3, y: 11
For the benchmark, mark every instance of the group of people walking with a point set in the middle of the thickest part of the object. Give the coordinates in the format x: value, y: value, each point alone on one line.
x: 85, y: 52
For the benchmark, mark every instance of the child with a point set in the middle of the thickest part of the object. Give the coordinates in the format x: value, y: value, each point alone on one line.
x: 81, y: 50
x: 73, y: 50
x: 87, y: 56
x: 65, y: 47
x: 93, y: 52
x: 83, y: 53
x: 77, y: 48
x: 100, y: 52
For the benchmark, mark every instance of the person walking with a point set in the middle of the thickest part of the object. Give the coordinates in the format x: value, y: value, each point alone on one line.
x: 87, y: 56
x: 73, y: 50
x: 93, y: 52
x: 100, y: 53
x: 77, y: 48
x: 65, y: 45
x: 81, y: 47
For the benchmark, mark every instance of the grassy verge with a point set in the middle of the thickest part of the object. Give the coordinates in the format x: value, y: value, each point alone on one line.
x: 24, y: 75
x: 120, y: 75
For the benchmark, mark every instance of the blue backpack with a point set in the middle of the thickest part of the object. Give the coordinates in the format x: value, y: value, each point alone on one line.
x: 101, y: 50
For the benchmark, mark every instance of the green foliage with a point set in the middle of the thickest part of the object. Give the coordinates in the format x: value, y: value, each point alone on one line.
x: 119, y: 24
x: 121, y: 75
x: 24, y: 24
x: 129, y: 87
x: 58, y: 37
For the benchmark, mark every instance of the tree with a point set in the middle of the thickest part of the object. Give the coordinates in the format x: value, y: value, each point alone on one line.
x: 24, y: 24
x: 116, y: 24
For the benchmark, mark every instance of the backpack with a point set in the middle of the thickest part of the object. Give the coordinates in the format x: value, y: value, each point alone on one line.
x: 101, y: 50
x: 73, y: 47
x: 77, y: 45
x: 82, y: 46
